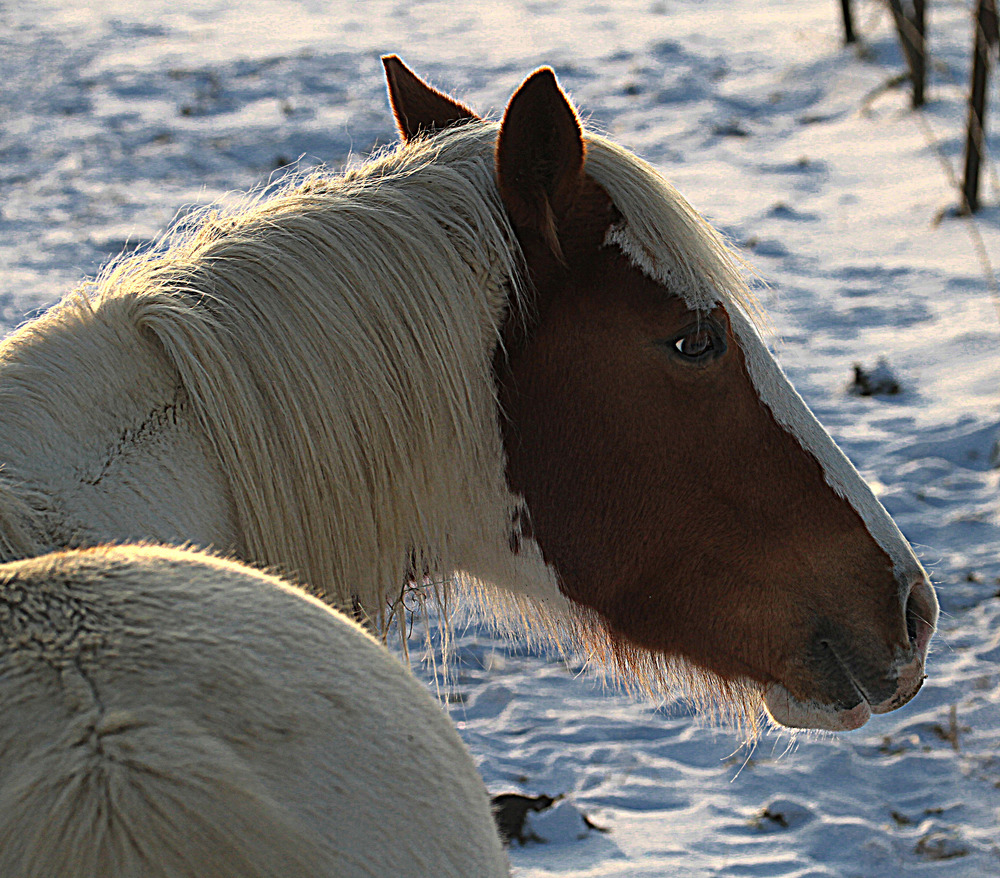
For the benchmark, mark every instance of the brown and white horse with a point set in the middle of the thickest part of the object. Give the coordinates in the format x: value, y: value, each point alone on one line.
x: 508, y: 355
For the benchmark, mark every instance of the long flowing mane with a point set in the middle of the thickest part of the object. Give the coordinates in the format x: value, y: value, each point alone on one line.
x: 392, y: 275
x: 663, y: 235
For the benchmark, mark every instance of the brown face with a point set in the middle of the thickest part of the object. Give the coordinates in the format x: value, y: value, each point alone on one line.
x: 671, y: 503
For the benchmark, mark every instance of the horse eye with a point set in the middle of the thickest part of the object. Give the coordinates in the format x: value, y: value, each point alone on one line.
x: 695, y: 344
x: 699, y: 343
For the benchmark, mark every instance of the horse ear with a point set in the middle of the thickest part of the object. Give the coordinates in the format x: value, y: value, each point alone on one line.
x: 539, y: 157
x: 418, y: 108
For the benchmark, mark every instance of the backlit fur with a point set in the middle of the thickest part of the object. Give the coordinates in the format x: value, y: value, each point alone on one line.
x: 172, y: 715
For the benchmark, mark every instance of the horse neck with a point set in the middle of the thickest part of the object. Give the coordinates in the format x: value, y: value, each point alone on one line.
x: 352, y: 401
x: 97, y: 438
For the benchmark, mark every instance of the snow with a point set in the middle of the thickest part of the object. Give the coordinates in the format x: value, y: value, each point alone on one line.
x: 115, y: 118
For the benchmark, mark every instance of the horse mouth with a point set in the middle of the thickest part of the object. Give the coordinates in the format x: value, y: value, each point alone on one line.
x: 853, y: 696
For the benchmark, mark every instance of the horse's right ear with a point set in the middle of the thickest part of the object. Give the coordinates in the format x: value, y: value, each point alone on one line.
x: 418, y: 108
x: 539, y: 158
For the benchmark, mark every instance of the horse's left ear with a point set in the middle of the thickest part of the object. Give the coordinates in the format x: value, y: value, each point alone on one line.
x: 418, y: 108
x: 539, y: 157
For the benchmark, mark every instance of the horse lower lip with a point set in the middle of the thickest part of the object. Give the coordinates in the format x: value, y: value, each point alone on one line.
x: 834, y: 714
x: 890, y: 691
x: 787, y: 710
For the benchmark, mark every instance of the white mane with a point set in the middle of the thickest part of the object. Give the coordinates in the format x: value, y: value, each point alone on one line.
x: 663, y: 235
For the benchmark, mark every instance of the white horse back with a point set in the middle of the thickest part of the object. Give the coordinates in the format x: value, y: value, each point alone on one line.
x: 172, y: 714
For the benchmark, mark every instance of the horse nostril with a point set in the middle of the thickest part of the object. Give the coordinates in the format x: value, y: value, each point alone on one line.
x: 921, y: 615
x: 911, y: 623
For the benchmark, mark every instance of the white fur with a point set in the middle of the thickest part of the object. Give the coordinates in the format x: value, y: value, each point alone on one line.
x: 789, y: 410
x: 98, y: 438
x: 171, y: 715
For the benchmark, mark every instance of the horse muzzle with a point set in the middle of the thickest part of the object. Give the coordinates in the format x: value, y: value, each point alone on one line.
x: 849, y: 685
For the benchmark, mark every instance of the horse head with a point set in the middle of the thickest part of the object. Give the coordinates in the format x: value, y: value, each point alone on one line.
x: 682, y: 494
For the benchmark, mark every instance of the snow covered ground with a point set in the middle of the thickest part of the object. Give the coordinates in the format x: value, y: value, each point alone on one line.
x: 117, y: 116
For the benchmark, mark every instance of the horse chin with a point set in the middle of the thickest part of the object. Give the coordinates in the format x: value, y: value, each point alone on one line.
x: 787, y: 710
